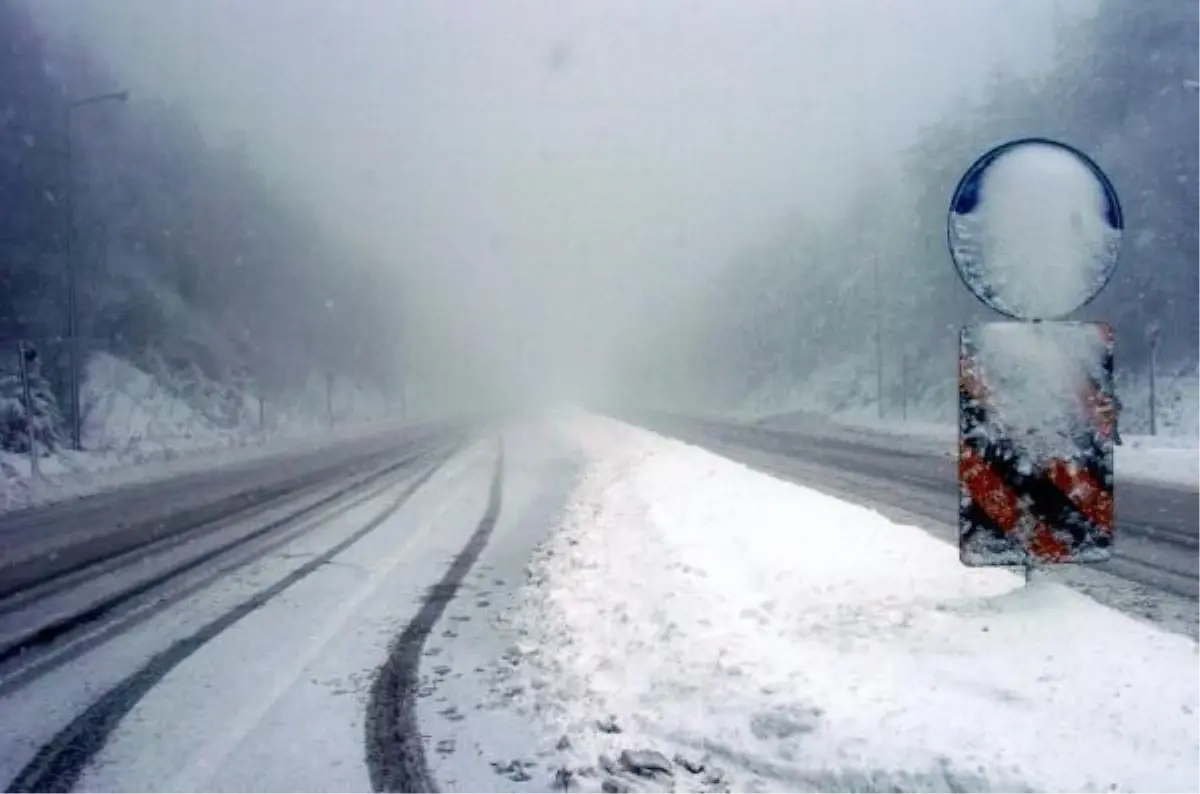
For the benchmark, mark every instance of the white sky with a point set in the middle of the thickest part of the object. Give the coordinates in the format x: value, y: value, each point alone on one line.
x: 546, y: 170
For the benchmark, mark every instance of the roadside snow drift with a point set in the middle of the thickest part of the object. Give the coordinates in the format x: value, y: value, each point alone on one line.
x: 136, y: 428
x: 770, y: 637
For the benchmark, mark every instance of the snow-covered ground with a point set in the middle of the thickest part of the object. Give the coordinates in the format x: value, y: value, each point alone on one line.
x: 691, y: 613
x: 135, y: 429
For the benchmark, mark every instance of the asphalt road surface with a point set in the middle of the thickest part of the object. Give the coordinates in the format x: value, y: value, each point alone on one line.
x: 50, y: 541
x: 1158, y: 527
x: 307, y: 621
x: 293, y: 623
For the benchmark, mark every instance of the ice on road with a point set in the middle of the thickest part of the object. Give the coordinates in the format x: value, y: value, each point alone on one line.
x: 783, y: 639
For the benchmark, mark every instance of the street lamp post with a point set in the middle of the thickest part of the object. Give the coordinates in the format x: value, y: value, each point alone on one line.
x: 72, y: 288
x: 404, y: 371
x: 1153, y: 333
x: 878, y: 338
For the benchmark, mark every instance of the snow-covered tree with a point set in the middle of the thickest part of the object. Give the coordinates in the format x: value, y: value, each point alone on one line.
x: 15, y: 424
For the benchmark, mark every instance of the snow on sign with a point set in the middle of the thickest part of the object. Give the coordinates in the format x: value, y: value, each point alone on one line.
x: 1036, y: 428
x: 1034, y: 229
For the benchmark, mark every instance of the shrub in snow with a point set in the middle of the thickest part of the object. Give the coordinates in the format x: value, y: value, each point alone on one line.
x: 47, y: 418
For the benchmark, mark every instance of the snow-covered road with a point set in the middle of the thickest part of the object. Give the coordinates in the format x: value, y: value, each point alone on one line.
x: 306, y: 666
x: 573, y: 602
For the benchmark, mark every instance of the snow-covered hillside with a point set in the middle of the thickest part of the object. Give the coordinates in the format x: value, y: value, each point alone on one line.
x: 137, y: 426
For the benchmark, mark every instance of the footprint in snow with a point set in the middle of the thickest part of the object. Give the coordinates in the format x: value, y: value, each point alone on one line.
x: 784, y: 722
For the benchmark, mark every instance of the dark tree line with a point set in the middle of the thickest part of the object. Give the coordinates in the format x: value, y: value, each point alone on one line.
x: 187, y: 260
x: 803, y: 306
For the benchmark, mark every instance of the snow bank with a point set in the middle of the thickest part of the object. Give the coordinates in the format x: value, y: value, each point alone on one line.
x: 129, y: 410
x: 1164, y: 459
x: 1177, y: 403
x: 136, y: 429
x: 802, y: 643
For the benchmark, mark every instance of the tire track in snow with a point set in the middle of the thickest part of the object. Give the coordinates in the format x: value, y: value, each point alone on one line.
x: 291, y: 522
x: 395, y: 751
x: 59, y: 763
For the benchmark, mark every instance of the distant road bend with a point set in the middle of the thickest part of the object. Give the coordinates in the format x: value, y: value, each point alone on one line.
x: 1158, y: 526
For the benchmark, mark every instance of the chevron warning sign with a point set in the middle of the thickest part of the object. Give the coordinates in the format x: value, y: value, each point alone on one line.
x: 1036, y: 422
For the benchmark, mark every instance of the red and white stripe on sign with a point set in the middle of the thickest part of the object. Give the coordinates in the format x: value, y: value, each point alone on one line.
x: 1003, y: 506
x: 1017, y: 504
x: 1093, y: 499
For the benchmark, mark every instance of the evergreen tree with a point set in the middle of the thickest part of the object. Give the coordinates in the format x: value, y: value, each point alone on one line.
x: 15, y: 424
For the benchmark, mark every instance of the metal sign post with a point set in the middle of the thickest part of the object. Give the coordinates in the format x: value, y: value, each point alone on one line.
x: 1034, y: 230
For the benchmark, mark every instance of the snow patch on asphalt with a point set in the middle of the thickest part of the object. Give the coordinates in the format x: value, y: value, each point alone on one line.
x: 764, y: 636
x: 469, y: 682
x: 276, y: 701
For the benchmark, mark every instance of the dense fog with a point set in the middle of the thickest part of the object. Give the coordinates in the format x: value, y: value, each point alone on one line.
x: 707, y: 206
